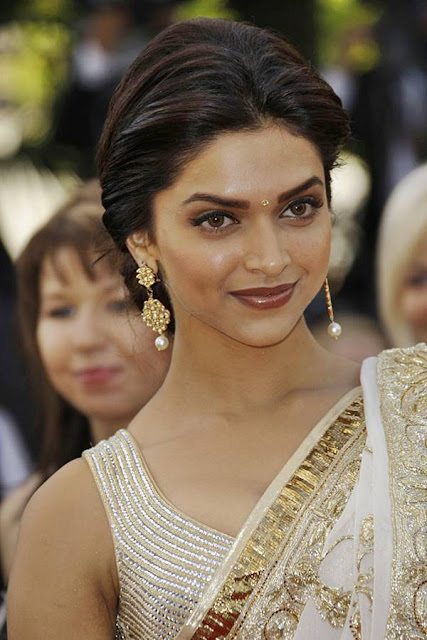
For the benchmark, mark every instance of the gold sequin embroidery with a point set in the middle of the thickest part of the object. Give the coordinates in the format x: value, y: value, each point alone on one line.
x: 365, y: 579
x: 299, y: 521
x: 297, y: 581
x: 402, y: 377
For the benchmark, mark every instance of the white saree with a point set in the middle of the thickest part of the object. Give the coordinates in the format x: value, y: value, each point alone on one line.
x: 337, y: 547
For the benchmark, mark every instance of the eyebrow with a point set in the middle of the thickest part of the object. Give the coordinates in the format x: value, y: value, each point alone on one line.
x: 52, y: 295
x: 245, y: 204
x: 311, y: 182
x: 114, y: 287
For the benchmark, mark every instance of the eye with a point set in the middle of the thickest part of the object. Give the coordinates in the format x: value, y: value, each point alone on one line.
x: 299, y: 208
x: 214, y: 221
x: 418, y: 279
x: 303, y: 208
x: 117, y: 306
x: 60, y: 312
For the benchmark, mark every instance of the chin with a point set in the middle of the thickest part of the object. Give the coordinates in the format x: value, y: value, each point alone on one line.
x: 421, y: 336
x: 264, y: 339
x: 102, y: 408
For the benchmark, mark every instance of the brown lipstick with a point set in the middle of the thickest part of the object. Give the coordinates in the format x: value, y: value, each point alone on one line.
x: 265, y: 297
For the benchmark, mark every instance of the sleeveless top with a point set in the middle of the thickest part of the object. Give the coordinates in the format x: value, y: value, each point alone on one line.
x: 165, y: 560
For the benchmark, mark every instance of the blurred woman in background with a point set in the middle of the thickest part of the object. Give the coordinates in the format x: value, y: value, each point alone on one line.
x: 402, y: 261
x: 91, y: 366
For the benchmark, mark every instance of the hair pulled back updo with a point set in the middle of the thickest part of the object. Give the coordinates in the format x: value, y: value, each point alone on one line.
x: 194, y: 81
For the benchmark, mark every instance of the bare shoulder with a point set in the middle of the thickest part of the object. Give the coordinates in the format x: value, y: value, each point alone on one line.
x: 64, y: 503
x: 72, y: 478
x: 64, y: 578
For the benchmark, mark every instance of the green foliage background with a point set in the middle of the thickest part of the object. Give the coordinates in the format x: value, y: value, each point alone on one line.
x: 206, y: 9
x: 335, y: 19
x: 37, y: 36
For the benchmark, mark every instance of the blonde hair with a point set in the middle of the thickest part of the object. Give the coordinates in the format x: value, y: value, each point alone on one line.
x: 403, y: 223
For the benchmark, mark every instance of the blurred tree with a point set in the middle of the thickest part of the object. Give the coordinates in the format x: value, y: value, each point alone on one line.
x: 206, y: 8
x: 35, y: 40
x: 33, y: 61
x: 336, y: 21
x: 60, y: 10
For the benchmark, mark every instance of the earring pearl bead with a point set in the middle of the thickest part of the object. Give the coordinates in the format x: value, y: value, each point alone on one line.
x: 334, y: 330
x: 161, y: 343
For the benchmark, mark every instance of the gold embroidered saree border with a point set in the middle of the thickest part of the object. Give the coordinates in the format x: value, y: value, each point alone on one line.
x: 277, y: 604
x: 265, y: 541
x: 402, y: 381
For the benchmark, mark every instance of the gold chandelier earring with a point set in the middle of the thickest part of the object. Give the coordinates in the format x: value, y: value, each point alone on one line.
x: 334, y: 329
x: 154, y: 313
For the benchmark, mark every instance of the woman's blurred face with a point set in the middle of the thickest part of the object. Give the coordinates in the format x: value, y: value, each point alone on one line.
x: 97, y: 353
x: 242, y: 237
x: 413, y: 302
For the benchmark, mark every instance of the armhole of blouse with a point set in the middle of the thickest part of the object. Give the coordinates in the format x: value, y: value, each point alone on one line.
x: 89, y: 456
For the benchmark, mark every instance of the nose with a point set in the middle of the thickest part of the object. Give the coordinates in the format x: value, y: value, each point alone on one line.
x: 88, y: 333
x: 266, y: 250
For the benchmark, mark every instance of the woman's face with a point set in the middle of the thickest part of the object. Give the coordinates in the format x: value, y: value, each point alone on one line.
x: 242, y: 238
x: 413, y: 301
x: 97, y: 354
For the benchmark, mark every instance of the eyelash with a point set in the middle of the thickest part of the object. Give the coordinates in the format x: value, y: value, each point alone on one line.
x: 118, y: 306
x: 418, y: 280
x: 315, y: 203
x: 60, y: 312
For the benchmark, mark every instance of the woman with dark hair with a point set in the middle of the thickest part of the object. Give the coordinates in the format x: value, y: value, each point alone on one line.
x: 252, y: 497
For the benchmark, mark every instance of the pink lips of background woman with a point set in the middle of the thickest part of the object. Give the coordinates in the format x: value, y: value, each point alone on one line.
x: 98, y: 376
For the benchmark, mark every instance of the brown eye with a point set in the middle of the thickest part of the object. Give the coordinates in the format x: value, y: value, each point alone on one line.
x: 216, y: 220
x: 299, y: 208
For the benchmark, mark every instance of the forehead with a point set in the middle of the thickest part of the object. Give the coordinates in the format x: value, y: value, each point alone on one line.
x: 65, y: 268
x: 254, y: 164
x: 417, y: 250
x: 421, y: 247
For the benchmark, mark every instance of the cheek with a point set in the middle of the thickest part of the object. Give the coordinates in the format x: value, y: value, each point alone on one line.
x: 414, y: 305
x: 311, y: 249
x: 53, y: 349
x: 193, y: 274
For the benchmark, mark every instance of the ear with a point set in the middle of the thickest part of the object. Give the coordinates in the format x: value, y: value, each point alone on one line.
x: 142, y: 249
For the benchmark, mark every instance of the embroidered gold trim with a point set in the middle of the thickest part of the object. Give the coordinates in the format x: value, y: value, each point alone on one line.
x: 402, y: 375
x: 226, y: 616
x: 276, y: 608
x: 365, y: 579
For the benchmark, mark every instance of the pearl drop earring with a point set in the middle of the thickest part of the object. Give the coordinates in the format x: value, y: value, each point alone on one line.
x: 334, y: 329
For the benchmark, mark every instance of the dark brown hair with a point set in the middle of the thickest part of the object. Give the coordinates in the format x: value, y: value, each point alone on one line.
x: 194, y: 81
x: 63, y: 432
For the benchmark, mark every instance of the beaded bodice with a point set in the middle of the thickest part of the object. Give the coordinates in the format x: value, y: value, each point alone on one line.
x: 165, y: 560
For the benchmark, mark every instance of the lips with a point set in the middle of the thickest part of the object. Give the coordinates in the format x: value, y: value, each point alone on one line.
x: 97, y: 375
x: 265, y: 297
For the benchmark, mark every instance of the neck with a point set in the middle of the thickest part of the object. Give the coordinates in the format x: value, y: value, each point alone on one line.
x: 209, y: 369
x: 101, y: 429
